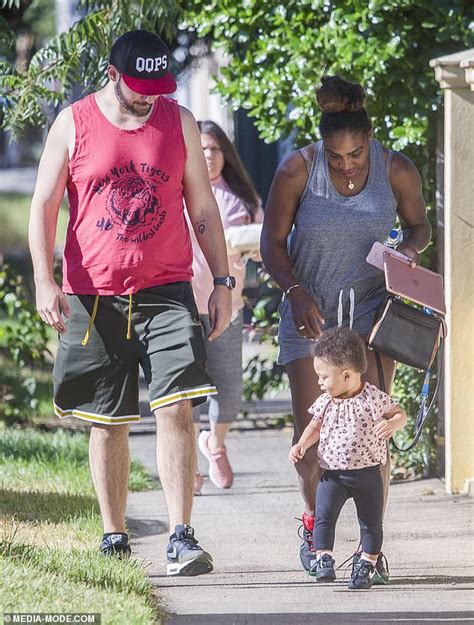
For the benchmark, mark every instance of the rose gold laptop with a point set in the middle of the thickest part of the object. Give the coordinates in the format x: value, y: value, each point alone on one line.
x: 417, y: 284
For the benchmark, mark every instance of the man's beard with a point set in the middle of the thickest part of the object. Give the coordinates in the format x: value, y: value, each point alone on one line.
x: 130, y: 108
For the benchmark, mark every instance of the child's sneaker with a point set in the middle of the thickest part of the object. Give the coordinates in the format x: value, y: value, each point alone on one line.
x: 307, y: 549
x: 115, y: 545
x: 382, y: 574
x: 363, y: 575
x: 322, y: 568
x: 185, y: 556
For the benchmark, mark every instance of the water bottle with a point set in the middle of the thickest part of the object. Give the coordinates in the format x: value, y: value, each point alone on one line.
x: 394, y: 238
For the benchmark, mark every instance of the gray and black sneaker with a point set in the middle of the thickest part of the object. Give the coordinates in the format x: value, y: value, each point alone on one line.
x: 185, y: 556
x: 322, y: 569
x: 115, y: 545
x: 382, y: 573
x: 363, y: 575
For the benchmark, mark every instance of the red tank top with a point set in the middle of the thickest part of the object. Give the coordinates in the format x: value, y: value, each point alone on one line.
x: 127, y: 230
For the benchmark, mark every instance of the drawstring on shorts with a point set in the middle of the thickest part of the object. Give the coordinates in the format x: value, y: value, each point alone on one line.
x: 90, y: 325
x: 351, y: 308
x: 85, y: 340
x: 129, y: 323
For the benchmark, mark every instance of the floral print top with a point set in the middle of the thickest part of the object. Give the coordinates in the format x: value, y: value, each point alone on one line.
x: 347, y: 439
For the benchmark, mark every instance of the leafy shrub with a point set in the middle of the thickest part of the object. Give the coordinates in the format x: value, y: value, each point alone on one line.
x: 23, y: 342
x: 23, y: 334
x: 421, y: 460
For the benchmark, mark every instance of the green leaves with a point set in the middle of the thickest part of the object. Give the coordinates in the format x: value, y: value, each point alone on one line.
x: 279, y: 51
x: 77, y: 57
x: 22, y: 332
x: 7, y: 37
x: 9, y: 4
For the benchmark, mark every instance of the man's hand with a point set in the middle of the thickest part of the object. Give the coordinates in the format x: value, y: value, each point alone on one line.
x: 306, y: 314
x: 220, y: 311
x: 296, y: 453
x: 50, y: 301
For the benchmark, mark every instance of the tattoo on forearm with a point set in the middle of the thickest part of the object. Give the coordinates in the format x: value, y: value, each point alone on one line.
x: 201, y: 226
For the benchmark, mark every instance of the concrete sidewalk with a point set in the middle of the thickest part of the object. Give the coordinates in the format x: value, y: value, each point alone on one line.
x: 252, y: 534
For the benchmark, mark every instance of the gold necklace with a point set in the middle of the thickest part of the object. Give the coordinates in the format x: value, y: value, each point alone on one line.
x: 350, y: 185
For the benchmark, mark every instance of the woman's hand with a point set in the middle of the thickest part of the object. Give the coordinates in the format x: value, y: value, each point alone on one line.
x: 409, y: 251
x: 306, y: 314
x: 296, y: 453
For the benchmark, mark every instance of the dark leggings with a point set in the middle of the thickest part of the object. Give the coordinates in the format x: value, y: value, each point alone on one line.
x: 334, y: 489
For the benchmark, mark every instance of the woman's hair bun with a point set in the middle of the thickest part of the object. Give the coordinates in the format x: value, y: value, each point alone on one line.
x: 336, y: 95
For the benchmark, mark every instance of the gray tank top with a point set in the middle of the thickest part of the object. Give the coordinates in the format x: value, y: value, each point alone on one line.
x: 333, y: 234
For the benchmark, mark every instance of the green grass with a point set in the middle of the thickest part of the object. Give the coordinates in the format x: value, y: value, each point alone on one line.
x: 49, y: 531
x: 81, y: 565
x: 25, y: 589
x: 53, y: 462
x: 14, y: 215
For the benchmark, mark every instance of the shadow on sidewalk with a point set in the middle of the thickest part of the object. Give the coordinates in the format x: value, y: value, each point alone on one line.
x: 448, y: 582
x: 324, y: 618
x: 146, y: 527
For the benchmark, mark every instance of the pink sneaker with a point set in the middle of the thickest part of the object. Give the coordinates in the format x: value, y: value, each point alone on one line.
x: 220, y: 471
x: 198, y: 482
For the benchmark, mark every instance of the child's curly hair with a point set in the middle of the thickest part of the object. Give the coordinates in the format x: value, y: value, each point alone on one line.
x: 342, y: 347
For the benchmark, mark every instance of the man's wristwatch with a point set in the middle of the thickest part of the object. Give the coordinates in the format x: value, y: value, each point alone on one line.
x: 228, y: 281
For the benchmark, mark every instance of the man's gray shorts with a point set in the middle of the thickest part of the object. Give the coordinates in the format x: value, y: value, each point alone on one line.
x: 98, y: 381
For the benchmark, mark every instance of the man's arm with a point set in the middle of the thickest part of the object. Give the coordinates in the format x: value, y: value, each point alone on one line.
x: 49, y: 192
x: 206, y: 221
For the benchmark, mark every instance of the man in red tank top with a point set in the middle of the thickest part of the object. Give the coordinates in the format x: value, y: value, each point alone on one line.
x: 128, y: 157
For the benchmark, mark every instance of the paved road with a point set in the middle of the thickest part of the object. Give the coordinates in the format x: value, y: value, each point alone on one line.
x: 252, y: 534
x: 18, y: 180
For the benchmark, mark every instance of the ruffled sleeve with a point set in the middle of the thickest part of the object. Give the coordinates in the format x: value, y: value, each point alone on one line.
x: 318, y: 408
x: 380, y: 402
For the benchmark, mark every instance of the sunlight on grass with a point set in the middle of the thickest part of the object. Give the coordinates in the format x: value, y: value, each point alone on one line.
x: 14, y: 216
x: 25, y: 589
x: 55, y: 462
x: 78, y: 532
x: 50, y: 529
x: 81, y: 565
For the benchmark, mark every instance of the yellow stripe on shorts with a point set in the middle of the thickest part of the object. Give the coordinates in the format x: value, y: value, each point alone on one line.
x: 190, y: 394
x: 94, y: 418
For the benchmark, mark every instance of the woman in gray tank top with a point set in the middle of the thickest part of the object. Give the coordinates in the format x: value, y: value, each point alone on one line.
x: 328, y: 204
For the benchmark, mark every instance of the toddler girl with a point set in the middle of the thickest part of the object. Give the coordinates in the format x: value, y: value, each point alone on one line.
x: 352, y: 421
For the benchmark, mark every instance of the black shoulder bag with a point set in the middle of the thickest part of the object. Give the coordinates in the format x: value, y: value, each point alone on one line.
x: 411, y: 336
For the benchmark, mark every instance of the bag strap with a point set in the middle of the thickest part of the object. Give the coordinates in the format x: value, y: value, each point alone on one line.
x: 425, y: 408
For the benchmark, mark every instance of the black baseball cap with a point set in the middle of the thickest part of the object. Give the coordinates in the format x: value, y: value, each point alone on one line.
x: 143, y: 59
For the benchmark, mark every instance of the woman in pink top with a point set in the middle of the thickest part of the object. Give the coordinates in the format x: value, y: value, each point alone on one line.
x: 352, y: 422
x: 239, y: 205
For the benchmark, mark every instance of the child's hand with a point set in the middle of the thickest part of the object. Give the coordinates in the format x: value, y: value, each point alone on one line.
x: 296, y: 453
x: 384, y: 429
